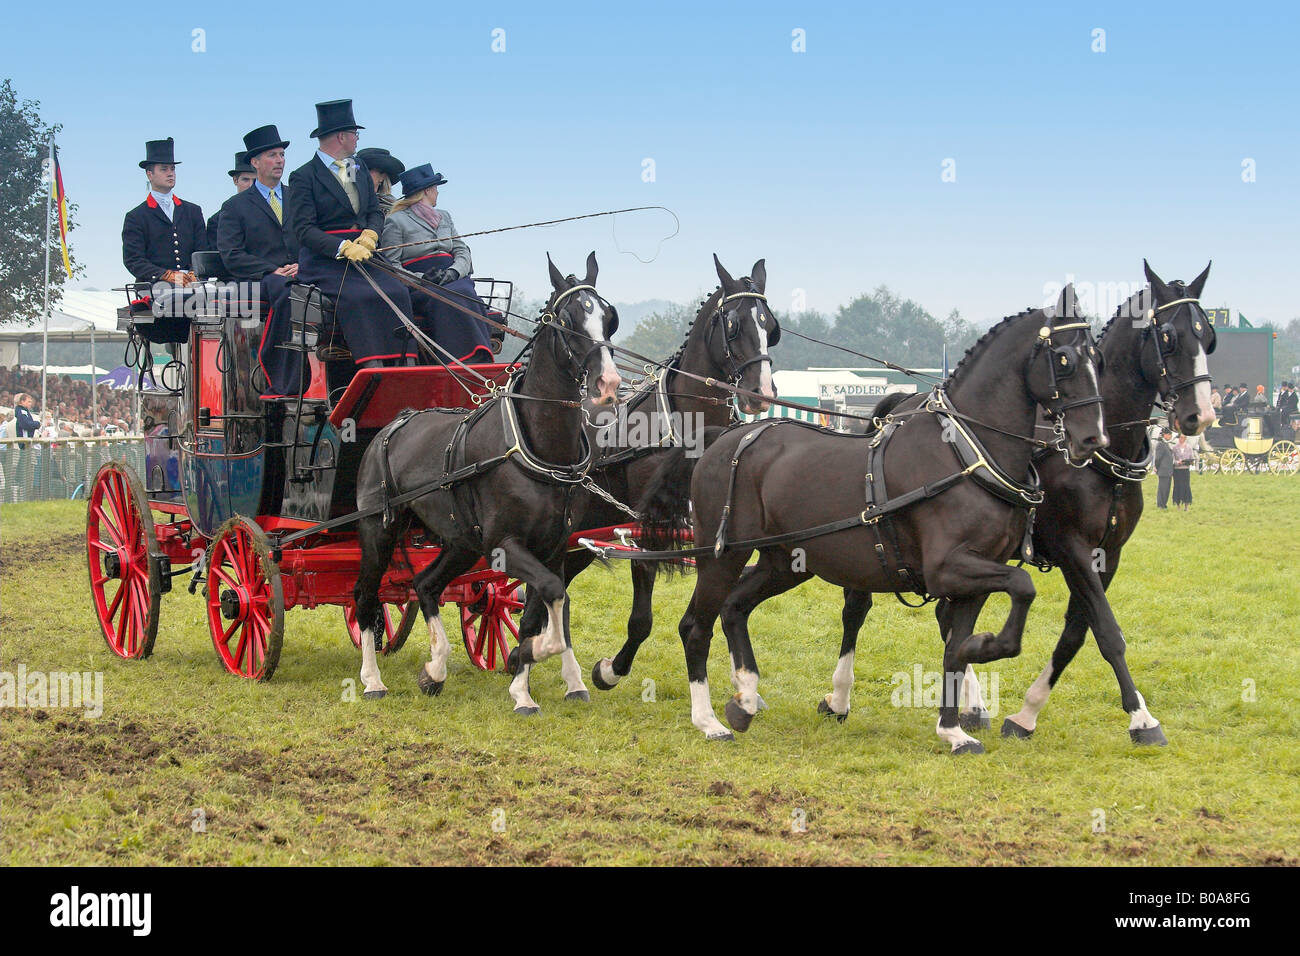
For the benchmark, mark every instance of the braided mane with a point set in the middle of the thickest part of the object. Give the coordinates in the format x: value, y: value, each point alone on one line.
x: 983, y: 341
x: 1120, y: 310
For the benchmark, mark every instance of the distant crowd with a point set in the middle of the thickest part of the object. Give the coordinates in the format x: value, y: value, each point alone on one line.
x: 68, y: 413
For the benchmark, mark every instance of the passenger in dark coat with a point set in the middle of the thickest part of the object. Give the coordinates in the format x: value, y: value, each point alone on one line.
x: 336, y: 220
x: 242, y: 176
x: 160, y: 234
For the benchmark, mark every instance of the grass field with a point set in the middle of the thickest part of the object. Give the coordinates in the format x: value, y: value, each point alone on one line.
x: 190, y: 765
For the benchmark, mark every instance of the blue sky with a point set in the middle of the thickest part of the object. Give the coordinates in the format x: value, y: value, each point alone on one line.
x: 826, y: 162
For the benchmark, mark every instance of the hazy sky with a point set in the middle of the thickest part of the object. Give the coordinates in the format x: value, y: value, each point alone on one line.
x: 829, y: 162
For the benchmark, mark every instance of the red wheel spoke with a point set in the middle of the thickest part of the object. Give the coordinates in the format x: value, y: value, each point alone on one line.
x: 104, y: 547
x: 113, y: 531
x: 509, y: 622
x: 238, y: 656
x: 117, y: 599
x: 223, y: 577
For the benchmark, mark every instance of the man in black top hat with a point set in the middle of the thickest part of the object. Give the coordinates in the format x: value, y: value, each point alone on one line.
x: 384, y: 168
x: 160, y: 234
x: 242, y: 176
x: 336, y: 220
x: 257, y: 244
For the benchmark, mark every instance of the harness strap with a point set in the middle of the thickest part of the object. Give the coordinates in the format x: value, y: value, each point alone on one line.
x: 720, y: 541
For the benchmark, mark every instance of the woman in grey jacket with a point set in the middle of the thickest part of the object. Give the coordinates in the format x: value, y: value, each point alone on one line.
x: 428, y: 245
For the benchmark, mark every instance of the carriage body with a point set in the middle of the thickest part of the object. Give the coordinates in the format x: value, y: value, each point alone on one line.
x: 236, y: 486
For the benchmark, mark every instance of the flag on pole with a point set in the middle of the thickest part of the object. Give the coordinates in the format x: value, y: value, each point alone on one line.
x: 61, y: 210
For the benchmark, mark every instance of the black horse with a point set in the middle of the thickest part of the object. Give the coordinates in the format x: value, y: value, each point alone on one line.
x: 509, y: 471
x: 1154, y: 347
x: 727, y: 340
x: 924, y: 526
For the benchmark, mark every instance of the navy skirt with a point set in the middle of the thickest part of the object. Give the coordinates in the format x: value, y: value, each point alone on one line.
x: 369, y: 325
x: 463, y: 336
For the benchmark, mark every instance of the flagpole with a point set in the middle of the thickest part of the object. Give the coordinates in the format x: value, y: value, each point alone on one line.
x: 45, y: 334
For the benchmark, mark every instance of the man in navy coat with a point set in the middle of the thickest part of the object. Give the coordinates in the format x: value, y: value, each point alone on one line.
x: 242, y: 176
x: 257, y: 245
x: 160, y: 234
x: 336, y: 220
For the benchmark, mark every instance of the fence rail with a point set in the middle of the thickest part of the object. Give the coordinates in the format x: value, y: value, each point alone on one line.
x: 48, y: 469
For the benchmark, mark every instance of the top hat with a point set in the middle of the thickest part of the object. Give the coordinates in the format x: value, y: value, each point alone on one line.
x: 262, y: 139
x: 333, y: 116
x: 382, y: 160
x: 159, y: 151
x: 420, y: 177
x: 241, y: 166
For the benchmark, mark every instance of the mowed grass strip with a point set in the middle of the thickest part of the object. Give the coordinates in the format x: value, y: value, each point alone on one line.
x: 190, y: 765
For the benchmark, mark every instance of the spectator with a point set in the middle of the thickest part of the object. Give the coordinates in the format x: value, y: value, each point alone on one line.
x: 1184, y: 457
x: 27, y: 424
x: 1164, y: 469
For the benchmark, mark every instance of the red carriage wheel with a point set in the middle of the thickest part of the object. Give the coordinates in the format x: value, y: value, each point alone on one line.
x: 125, y: 583
x: 245, y: 601
x: 398, y: 621
x: 486, y: 622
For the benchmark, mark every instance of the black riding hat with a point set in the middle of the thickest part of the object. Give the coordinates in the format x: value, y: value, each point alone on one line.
x: 241, y: 166
x: 159, y: 151
x: 333, y: 116
x: 262, y: 139
x: 382, y: 160
x: 420, y: 177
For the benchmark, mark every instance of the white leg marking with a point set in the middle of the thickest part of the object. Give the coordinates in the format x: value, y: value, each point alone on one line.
x: 971, y: 693
x: 954, y: 736
x: 747, y: 690
x: 439, y: 650
x: 571, y: 672
x: 702, y: 715
x: 551, y: 639
x: 1141, y: 718
x: 841, y: 684
x: 370, y: 680
x: 1035, y: 698
x: 519, y: 689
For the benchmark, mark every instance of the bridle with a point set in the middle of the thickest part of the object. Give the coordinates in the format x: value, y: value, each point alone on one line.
x: 1062, y: 362
x: 1163, y: 339
x: 551, y: 316
x: 726, y: 321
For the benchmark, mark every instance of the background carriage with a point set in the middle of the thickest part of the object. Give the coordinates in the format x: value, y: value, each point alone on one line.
x: 1256, y: 442
x: 253, y: 498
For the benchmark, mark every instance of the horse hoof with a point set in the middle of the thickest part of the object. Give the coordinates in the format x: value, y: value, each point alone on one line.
x: 1148, y: 736
x: 737, y: 716
x: 373, y: 694
x: 1012, y: 729
x: 723, y: 737
x: 528, y: 711
x: 970, y: 747
x: 428, y: 685
x: 600, y: 682
x: 824, y: 709
x: 512, y: 662
x: 975, y: 720
x: 581, y: 695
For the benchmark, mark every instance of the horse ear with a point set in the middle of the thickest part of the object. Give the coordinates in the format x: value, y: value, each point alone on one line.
x: 728, y: 283
x: 1197, y: 284
x: 592, y: 269
x: 557, y: 280
x: 1157, y: 284
x: 759, y: 274
x: 1067, y: 305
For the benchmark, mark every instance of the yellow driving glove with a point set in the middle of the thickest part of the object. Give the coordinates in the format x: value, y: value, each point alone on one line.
x: 354, y: 251
x: 368, y: 238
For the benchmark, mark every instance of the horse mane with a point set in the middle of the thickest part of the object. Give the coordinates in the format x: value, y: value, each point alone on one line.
x: 984, y: 339
x: 1120, y: 310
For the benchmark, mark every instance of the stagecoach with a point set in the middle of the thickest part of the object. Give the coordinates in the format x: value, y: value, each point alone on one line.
x: 251, y: 500
x: 1257, y: 446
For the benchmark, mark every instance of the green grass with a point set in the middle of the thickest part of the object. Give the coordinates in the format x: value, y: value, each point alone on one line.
x: 288, y: 772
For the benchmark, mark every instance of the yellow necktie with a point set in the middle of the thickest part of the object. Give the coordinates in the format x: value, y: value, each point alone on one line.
x: 275, y: 207
x: 348, y: 185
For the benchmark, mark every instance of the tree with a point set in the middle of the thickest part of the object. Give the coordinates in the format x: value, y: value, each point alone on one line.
x: 660, y: 333
x: 24, y: 144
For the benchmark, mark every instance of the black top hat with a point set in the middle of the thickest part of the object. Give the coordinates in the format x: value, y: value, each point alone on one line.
x: 159, y: 151
x: 332, y: 116
x: 382, y: 160
x: 262, y: 139
x: 241, y: 166
x: 420, y: 177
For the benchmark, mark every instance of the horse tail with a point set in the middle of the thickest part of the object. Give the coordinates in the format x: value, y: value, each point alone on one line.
x: 665, y: 508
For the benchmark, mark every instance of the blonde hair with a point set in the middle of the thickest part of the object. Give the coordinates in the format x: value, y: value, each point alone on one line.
x: 406, y: 202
